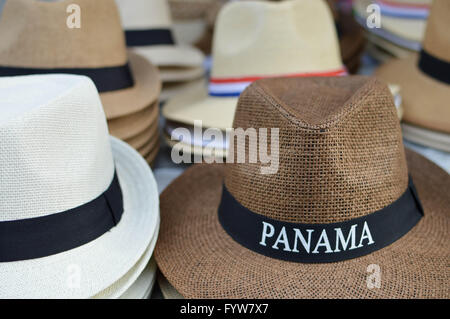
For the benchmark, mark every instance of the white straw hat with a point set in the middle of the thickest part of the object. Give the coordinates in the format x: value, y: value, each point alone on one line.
x: 148, y: 29
x: 68, y: 227
x: 258, y: 39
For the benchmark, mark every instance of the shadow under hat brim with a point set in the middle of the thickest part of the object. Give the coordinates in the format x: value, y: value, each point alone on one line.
x: 410, y: 29
x: 145, y: 91
x: 196, y: 104
x: 201, y: 260
x: 424, y: 99
x: 171, y: 89
x: 172, y: 55
x: 104, y: 260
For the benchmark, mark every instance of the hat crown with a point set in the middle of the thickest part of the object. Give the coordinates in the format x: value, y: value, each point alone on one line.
x: 340, y: 149
x: 144, y: 14
x: 437, y: 41
x: 55, y: 150
x: 36, y: 34
x: 258, y: 38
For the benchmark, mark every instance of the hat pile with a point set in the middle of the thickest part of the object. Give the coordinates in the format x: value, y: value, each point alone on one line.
x: 148, y: 31
x: 402, y: 27
x: 247, y: 47
x: 79, y: 210
x: 129, y: 85
x: 424, y: 80
x: 347, y: 196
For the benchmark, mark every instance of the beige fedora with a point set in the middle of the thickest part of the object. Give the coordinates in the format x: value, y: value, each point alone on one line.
x: 424, y: 80
x: 258, y: 39
x: 31, y: 44
x: 148, y: 30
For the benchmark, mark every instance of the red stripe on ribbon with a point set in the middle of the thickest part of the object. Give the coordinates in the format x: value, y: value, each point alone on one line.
x: 403, y: 5
x: 291, y: 75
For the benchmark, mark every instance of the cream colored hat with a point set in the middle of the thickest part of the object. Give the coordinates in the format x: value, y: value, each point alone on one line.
x: 148, y: 30
x: 36, y: 39
x: 424, y: 80
x: 254, y: 40
x: 78, y: 208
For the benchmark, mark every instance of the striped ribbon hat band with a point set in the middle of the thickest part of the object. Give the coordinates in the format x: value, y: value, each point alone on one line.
x: 403, y: 10
x: 233, y: 86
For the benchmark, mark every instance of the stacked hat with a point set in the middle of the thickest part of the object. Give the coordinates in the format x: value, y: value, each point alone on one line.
x: 148, y: 31
x: 424, y: 80
x: 79, y: 210
x: 344, y: 198
x: 247, y: 46
x: 129, y: 85
x: 402, y: 26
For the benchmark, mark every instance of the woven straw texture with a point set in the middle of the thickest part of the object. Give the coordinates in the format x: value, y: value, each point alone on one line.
x: 341, y: 156
x: 56, y: 154
x: 325, y: 174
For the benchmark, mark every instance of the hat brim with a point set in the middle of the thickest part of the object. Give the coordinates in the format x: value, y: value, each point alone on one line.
x: 143, y: 286
x: 440, y: 141
x: 145, y: 91
x: 201, y: 260
x: 143, y: 138
x: 194, y: 150
x: 196, y: 104
x: 180, y: 74
x: 171, y: 89
x: 125, y: 284
x: 134, y: 124
x: 410, y: 29
x: 101, y: 262
x: 424, y: 100
x: 167, y: 290
x: 171, y: 55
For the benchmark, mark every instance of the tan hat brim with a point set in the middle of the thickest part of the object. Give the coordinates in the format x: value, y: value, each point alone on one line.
x: 196, y: 104
x: 177, y: 74
x: 142, y: 139
x: 150, y: 157
x: 171, y: 89
x: 201, y: 260
x: 129, y: 126
x: 410, y: 29
x: 146, y: 89
x: 172, y: 55
x: 425, y: 100
x: 149, y: 147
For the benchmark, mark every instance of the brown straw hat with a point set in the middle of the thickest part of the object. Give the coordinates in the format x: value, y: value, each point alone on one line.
x: 425, y: 82
x: 37, y: 39
x: 228, y: 231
